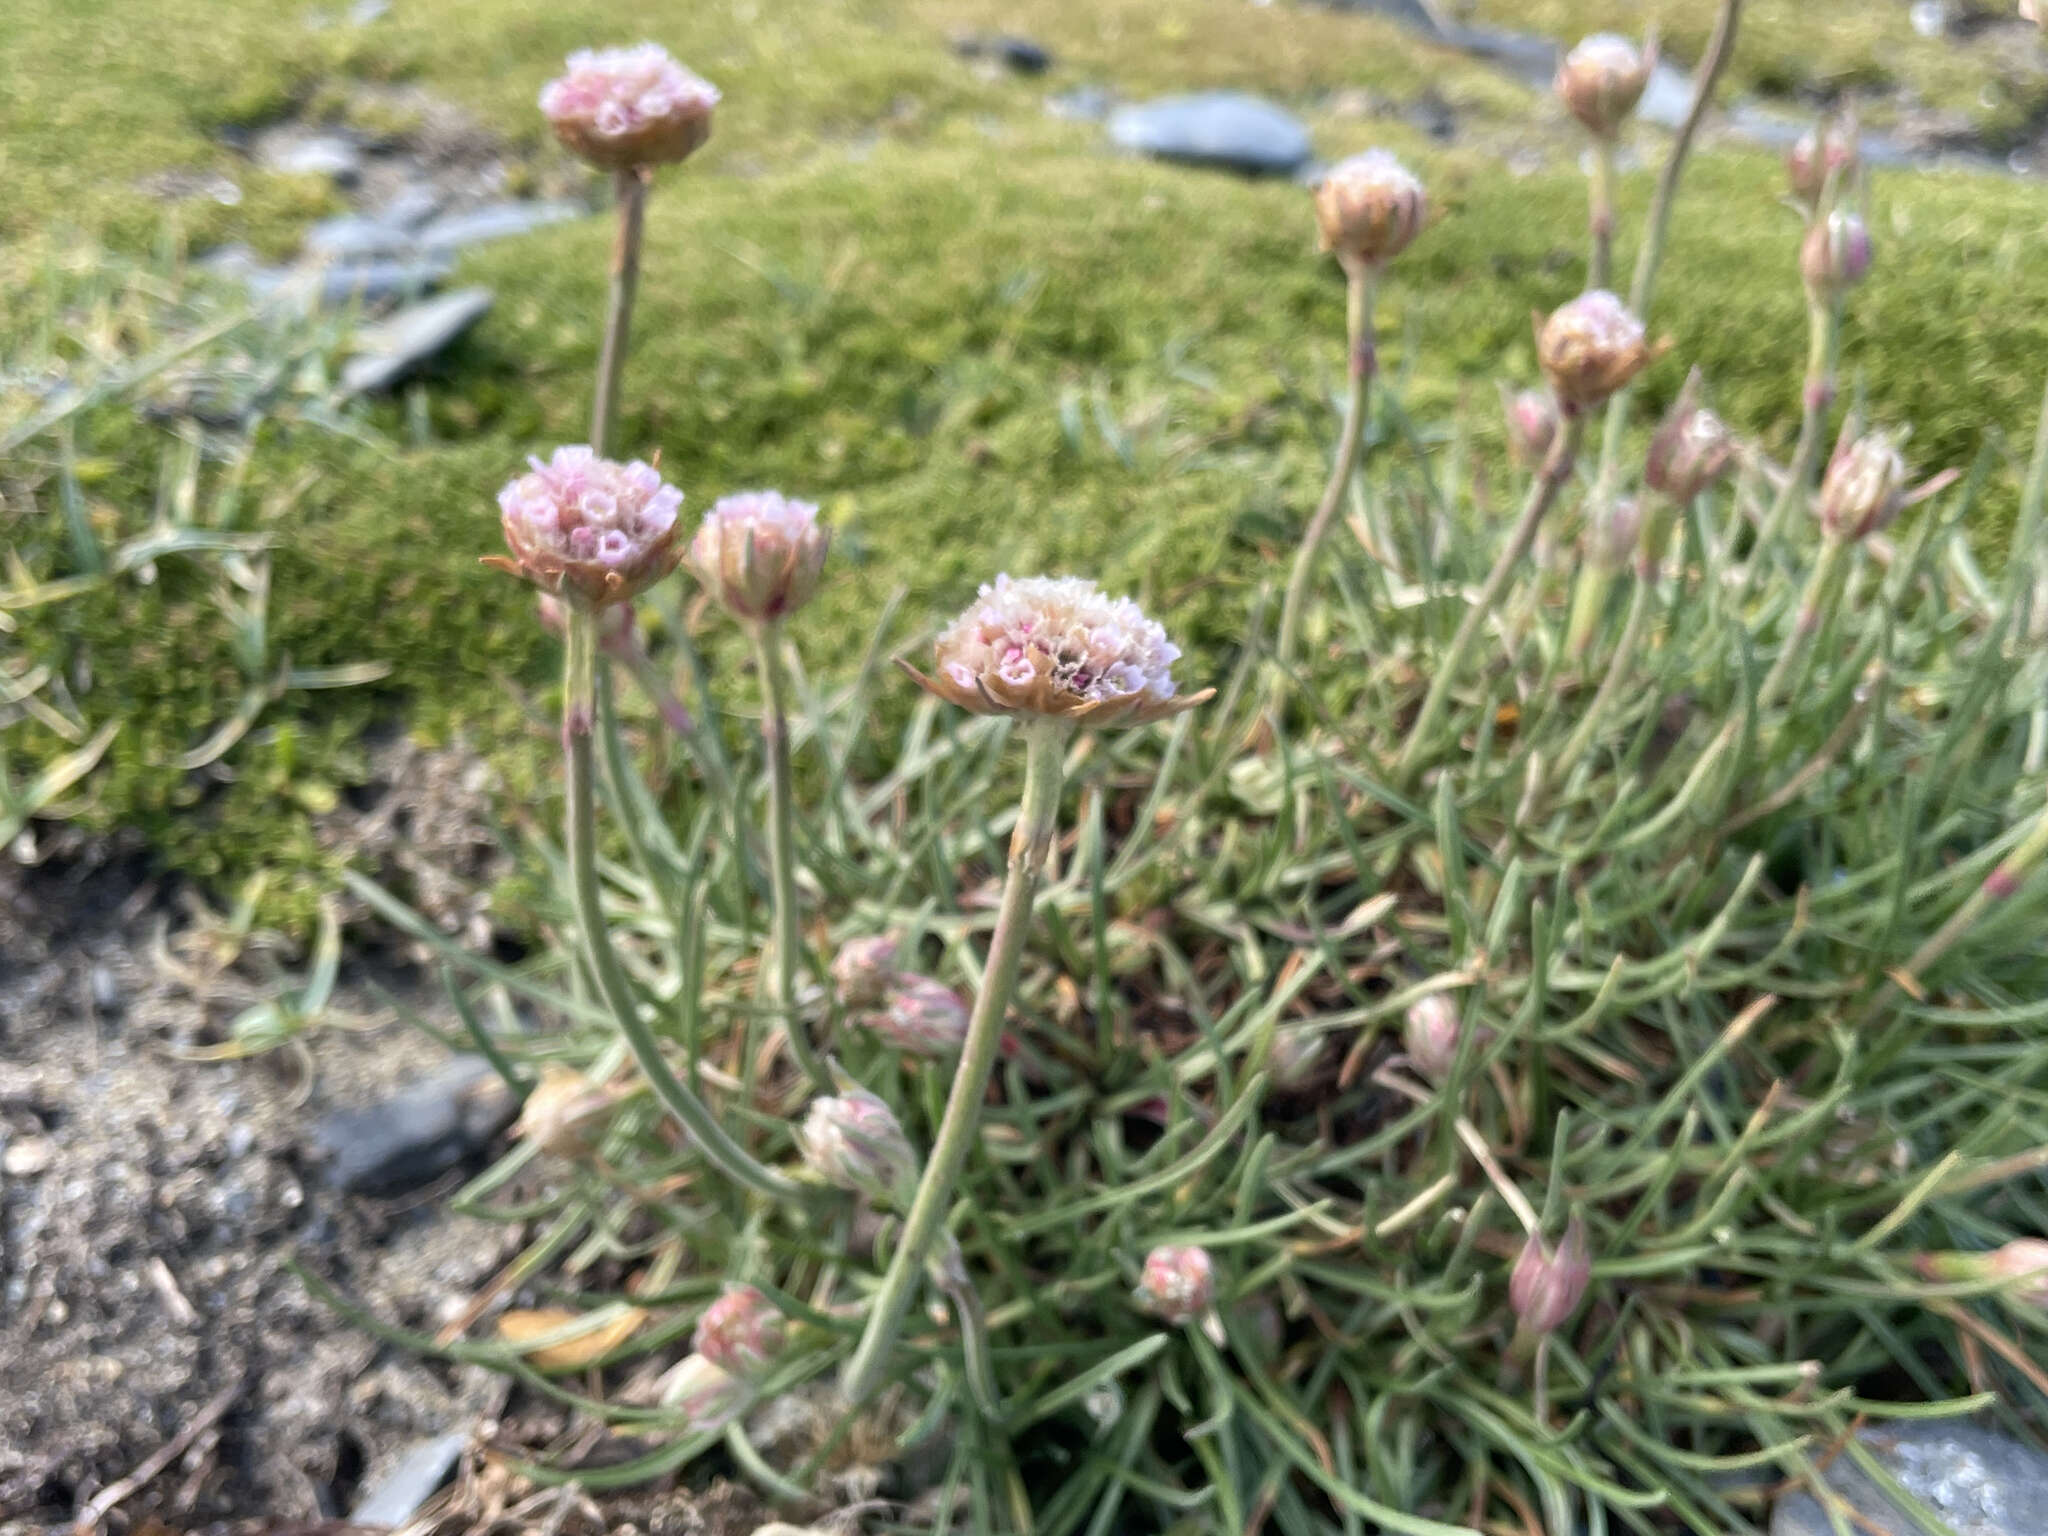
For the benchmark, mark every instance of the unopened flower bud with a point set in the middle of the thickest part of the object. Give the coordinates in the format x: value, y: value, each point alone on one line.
x: 1864, y: 488
x: 741, y: 1332
x: 1602, y: 79
x: 1297, y: 1052
x: 706, y: 1395
x: 561, y: 1111
x: 921, y: 1016
x: 623, y: 108
x: 1590, y: 348
x: 1057, y: 647
x: 587, y: 527
x: 1548, y: 1283
x: 1836, y: 255
x: 1431, y: 1034
x: 1691, y: 448
x: 1616, y: 532
x: 853, y: 1141
x: 2021, y: 1265
x: 760, y: 554
x: 1369, y: 208
x: 1820, y: 153
x: 1531, y: 416
x: 1178, y: 1284
x: 863, y: 969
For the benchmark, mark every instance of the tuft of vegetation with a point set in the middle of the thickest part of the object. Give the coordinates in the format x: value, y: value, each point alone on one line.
x: 1564, y: 1057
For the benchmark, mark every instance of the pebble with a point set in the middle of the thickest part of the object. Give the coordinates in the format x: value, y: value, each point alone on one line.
x: 27, y: 1156
x: 493, y: 221
x: 1223, y: 129
x: 409, y: 1484
x: 415, y: 1136
x: 345, y: 283
x: 105, y: 987
x: 404, y: 341
x: 1978, y: 1480
x: 355, y: 235
x: 322, y: 154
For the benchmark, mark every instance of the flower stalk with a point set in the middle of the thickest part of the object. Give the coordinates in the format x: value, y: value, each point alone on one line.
x: 779, y: 978
x: 1045, y: 741
x: 718, y: 1148
x: 630, y: 190
x: 1362, y: 286
x: 1557, y: 468
x: 1823, y: 339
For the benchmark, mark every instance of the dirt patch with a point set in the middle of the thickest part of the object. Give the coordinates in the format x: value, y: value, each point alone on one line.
x: 147, y: 1206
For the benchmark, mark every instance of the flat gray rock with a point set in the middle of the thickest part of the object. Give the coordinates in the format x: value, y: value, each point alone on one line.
x: 414, y: 1137
x: 353, y: 235
x: 406, y: 340
x: 494, y: 221
x: 1223, y: 129
x: 320, y: 154
x: 1978, y: 1480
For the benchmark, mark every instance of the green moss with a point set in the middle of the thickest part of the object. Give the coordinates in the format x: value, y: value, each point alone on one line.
x: 979, y: 339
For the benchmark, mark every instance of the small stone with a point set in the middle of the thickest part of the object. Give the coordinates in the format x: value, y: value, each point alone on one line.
x: 409, y: 338
x: 494, y: 221
x: 27, y: 1156
x: 415, y: 1136
x: 1018, y: 54
x: 352, y: 235
x: 322, y: 154
x: 1222, y: 129
x: 1409, y: 13
x: 105, y: 988
x: 398, y: 1495
x: 1666, y: 98
x: 1977, y: 1480
x: 344, y: 283
x: 411, y: 208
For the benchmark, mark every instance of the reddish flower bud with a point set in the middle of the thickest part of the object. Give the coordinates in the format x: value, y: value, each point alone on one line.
x: 1431, y: 1035
x: 1691, y: 449
x: 1602, y: 79
x: 1369, y: 208
x: 741, y: 1332
x: 1590, y: 348
x: 1548, y: 1283
x: 1864, y: 488
x: 863, y: 969
x: 1828, y: 150
x: 853, y: 1141
x: 2021, y: 1265
x: 621, y: 108
x: 1532, y: 424
x: 921, y: 1016
x: 1836, y: 255
x: 1178, y: 1284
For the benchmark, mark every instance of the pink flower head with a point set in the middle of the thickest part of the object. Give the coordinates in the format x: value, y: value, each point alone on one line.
x: 1056, y: 646
x: 1864, y: 487
x: 760, y: 553
x: 1591, y: 347
x: 1178, y: 1284
x: 741, y: 1333
x: 1836, y: 254
x: 863, y: 969
x: 1548, y: 1283
x: 1602, y: 79
x: 854, y: 1142
x: 1369, y: 208
x: 1531, y: 416
x: 1692, y: 447
x: 621, y: 108
x: 921, y: 1016
x: 1828, y: 150
x: 590, y: 528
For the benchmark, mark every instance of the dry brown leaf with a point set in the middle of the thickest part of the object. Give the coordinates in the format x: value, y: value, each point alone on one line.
x: 520, y: 1325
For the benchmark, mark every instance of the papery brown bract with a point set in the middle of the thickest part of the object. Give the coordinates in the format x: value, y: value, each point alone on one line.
x: 1369, y: 208
x: 1591, y: 347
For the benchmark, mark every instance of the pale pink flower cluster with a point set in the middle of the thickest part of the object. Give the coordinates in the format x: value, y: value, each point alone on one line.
x: 581, y: 524
x: 1178, y: 1284
x: 1369, y: 207
x: 741, y: 1332
x: 626, y: 107
x: 1057, y: 646
x: 921, y: 1016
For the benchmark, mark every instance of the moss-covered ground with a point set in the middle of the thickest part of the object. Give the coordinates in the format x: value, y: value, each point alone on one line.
x: 893, y: 283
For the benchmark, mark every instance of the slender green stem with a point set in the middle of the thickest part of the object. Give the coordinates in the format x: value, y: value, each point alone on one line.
x: 1362, y: 284
x: 719, y: 1149
x: 1600, y: 214
x: 1622, y: 663
x: 1706, y: 79
x: 1557, y: 468
x: 1823, y: 335
x: 1589, y: 593
x: 779, y: 978
x: 631, y: 190
x: 1823, y: 591
x: 1045, y: 744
